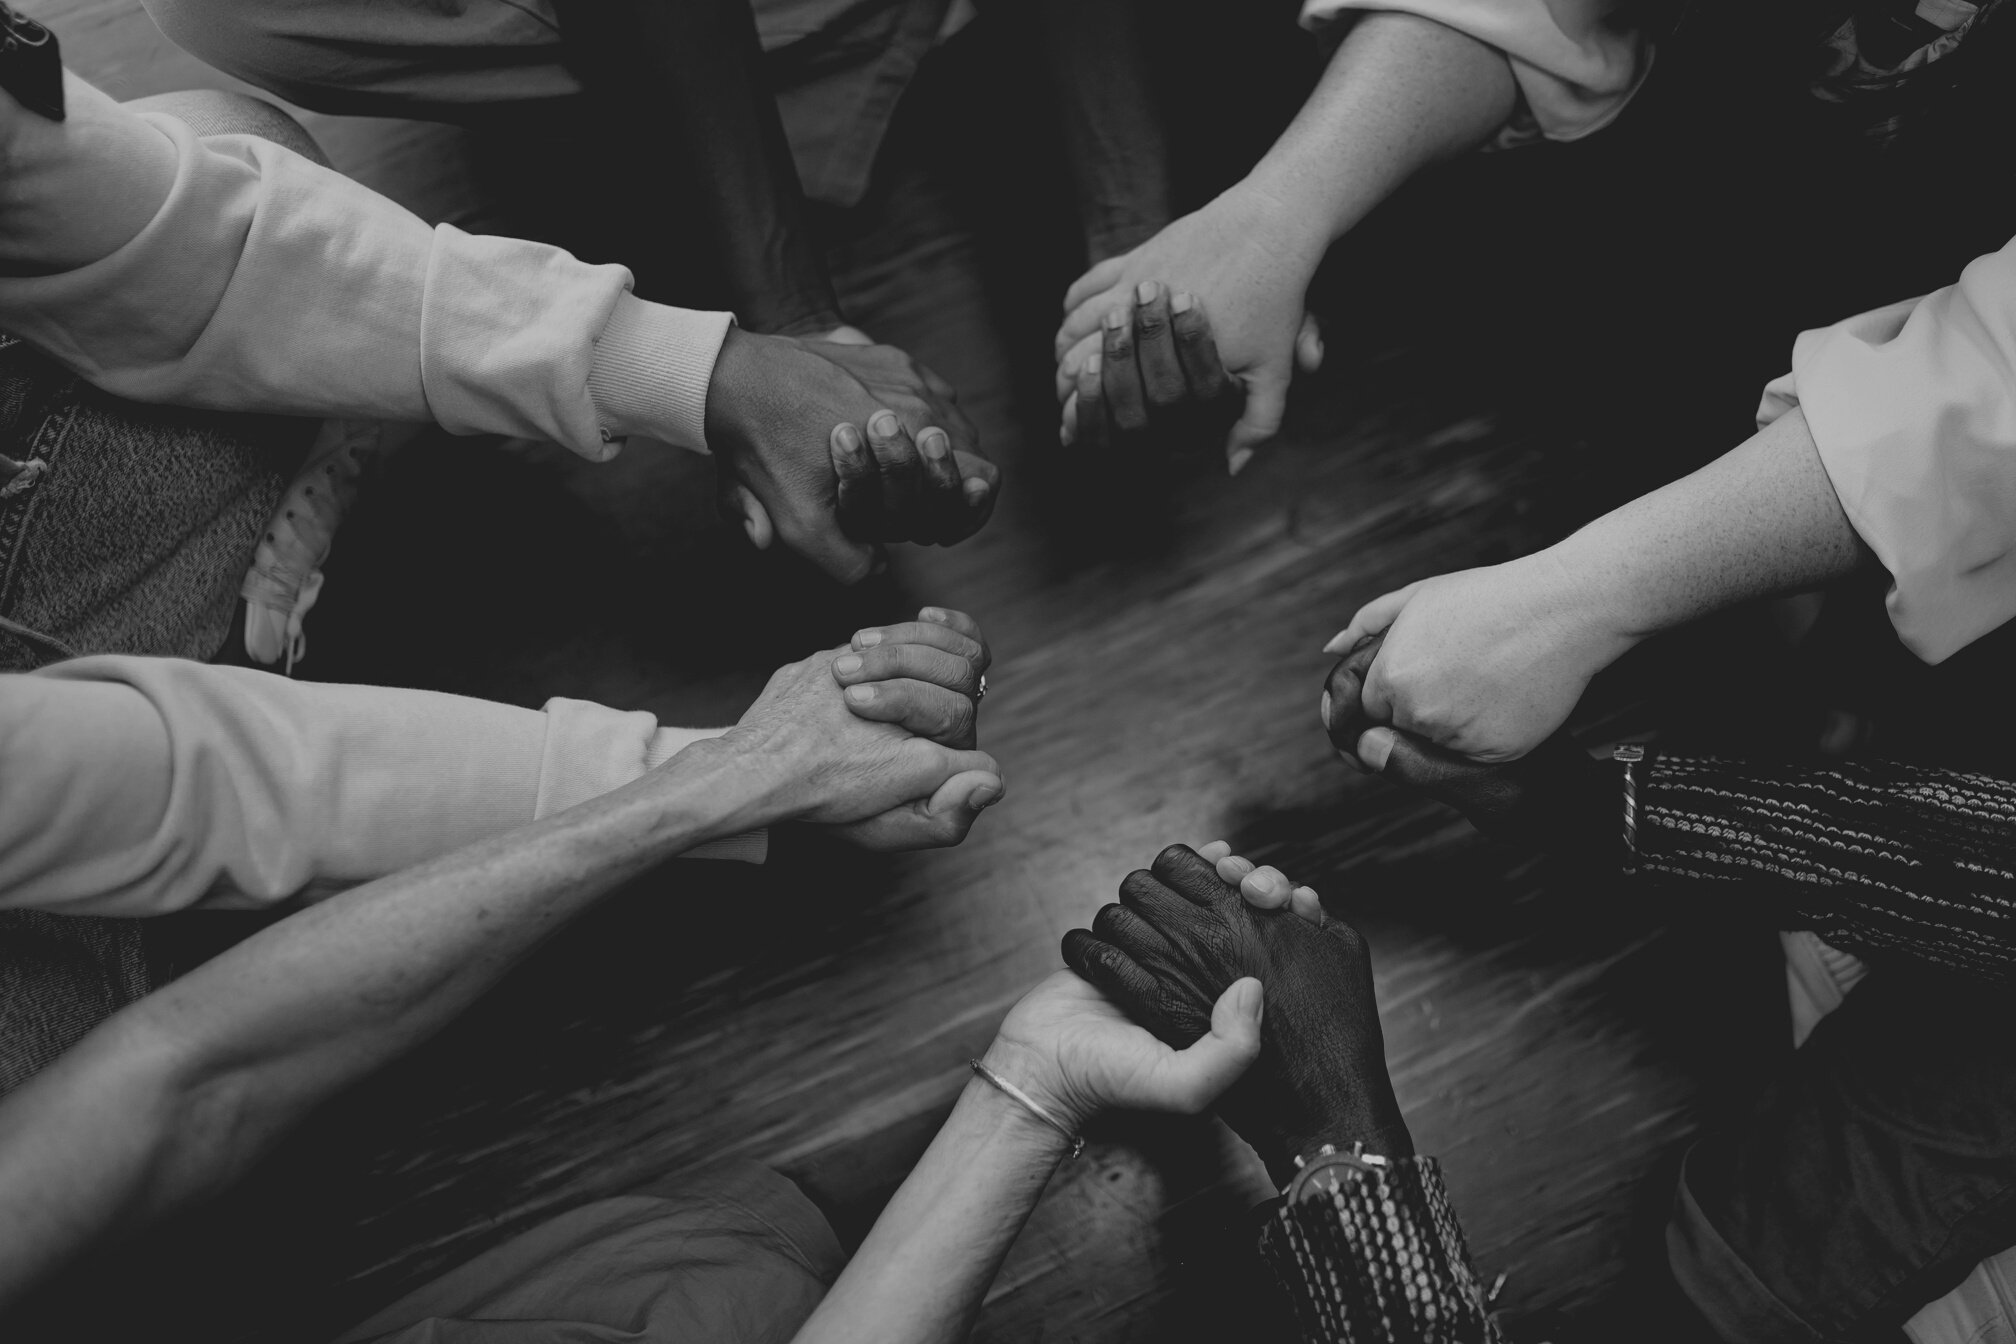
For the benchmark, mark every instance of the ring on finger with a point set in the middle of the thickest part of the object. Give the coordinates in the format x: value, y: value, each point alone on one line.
x: 981, y: 694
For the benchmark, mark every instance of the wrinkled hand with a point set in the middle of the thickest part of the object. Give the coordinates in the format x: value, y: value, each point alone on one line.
x: 922, y: 676
x: 826, y: 765
x: 1157, y: 372
x: 1249, y: 264
x: 1077, y: 1054
x: 1181, y: 934
x: 835, y: 447
x: 1489, y: 662
x: 1553, y: 797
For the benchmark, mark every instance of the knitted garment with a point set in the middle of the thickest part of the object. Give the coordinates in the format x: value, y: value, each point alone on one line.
x: 1376, y: 1257
x: 1873, y: 856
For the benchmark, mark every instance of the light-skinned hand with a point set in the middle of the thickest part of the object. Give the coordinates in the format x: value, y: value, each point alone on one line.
x: 922, y: 675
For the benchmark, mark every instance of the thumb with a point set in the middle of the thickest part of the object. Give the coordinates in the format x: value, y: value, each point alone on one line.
x: 1309, y: 344
x: 740, y: 505
x: 1191, y: 1079
x: 1489, y: 795
x: 841, y: 558
x: 966, y: 794
x: 1266, y: 403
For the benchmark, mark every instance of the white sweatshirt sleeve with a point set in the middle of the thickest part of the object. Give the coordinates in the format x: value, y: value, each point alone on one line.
x: 1577, y: 62
x: 265, y: 282
x: 1913, y: 410
x: 138, y: 786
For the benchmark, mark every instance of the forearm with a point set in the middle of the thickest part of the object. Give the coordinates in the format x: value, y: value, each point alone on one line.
x: 1878, y: 856
x: 168, y: 1100
x: 692, y: 75
x: 1760, y: 521
x: 1400, y: 94
x: 922, y: 1273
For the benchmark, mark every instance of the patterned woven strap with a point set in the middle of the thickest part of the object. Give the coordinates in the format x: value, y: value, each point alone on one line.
x: 1376, y: 1257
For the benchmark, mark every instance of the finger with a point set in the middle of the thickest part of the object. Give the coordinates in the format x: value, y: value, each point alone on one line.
x: 937, y: 822
x: 1068, y: 367
x: 1189, y: 1080
x: 1117, y: 976
x: 1260, y: 421
x: 1309, y: 344
x: 979, y: 491
x: 1162, y: 381
x: 1214, y: 852
x: 917, y: 707
x: 1092, y: 425
x: 944, y: 510
x: 1232, y: 869
x: 1067, y: 428
x: 1374, y: 618
x: 963, y: 624
x: 1266, y: 888
x: 1196, y: 348
x: 1185, y: 872
x: 883, y: 662
x: 859, y: 484
x: 1094, y: 282
x: 1120, y: 375
x: 740, y: 505
x: 901, y: 469
x: 1306, y: 903
x: 1344, y: 715
x: 1167, y: 912
x: 928, y: 633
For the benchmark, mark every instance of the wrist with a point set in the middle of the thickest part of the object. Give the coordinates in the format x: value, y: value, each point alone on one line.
x: 653, y: 371
x: 1584, y: 596
x: 1035, y: 1074
x: 747, y: 784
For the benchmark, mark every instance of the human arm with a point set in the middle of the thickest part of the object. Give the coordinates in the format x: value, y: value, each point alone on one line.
x: 920, y: 1276
x: 175, y: 1097
x: 1489, y: 662
x: 1363, y: 1244
x: 140, y: 786
x: 1401, y: 92
x: 1114, y: 140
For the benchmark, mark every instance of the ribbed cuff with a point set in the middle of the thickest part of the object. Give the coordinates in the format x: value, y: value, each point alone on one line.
x: 651, y: 370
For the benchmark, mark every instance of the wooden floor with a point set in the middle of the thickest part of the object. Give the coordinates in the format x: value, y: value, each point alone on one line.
x: 1158, y: 631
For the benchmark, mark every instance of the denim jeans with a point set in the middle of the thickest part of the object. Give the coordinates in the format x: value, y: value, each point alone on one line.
x: 123, y: 529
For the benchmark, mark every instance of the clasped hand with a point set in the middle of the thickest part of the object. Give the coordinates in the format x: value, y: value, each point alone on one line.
x: 835, y: 448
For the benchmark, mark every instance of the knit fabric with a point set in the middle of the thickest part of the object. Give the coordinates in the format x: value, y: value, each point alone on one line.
x: 1376, y: 1257
x: 1875, y: 857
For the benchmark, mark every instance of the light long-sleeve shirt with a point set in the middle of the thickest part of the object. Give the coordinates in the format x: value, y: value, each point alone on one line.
x: 1913, y: 410
x: 138, y: 786
x: 265, y: 282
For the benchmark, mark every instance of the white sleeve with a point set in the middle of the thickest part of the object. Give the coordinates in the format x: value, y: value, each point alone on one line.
x: 1577, y: 62
x: 1913, y: 410
x: 137, y: 786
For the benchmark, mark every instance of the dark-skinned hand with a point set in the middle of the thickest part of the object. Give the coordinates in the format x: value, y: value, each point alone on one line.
x: 1181, y: 934
x: 1553, y: 797
x: 923, y: 675
x: 834, y: 448
x: 1156, y: 379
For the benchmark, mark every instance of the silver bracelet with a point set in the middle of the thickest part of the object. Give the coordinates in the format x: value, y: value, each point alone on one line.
x: 1029, y: 1104
x: 1631, y: 753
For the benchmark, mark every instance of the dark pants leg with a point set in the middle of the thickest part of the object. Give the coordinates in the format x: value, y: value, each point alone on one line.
x: 1869, y: 1179
x: 123, y: 529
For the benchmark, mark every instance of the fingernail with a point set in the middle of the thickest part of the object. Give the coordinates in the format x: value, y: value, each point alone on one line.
x: 1240, y: 866
x: 976, y: 489
x: 846, y: 664
x: 933, y: 614
x: 1336, y: 644
x: 883, y: 425
x: 1146, y: 291
x: 1252, y: 999
x: 1324, y: 712
x: 1182, y: 303
x: 933, y: 444
x: 850, y: 439
x: 1116, y: 319
x: 867, y: 639
x: 861, y: 695
x: 1374, y: 747
x: 1351, y: 761
x: 1092, y: 362
x: 985, y: 796
x: 1236, y: 463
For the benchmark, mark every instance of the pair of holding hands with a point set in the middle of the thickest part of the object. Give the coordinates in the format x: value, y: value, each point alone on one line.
x: 875, y: 742
x: 1210, y: 983
x: 837, y: 446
